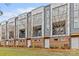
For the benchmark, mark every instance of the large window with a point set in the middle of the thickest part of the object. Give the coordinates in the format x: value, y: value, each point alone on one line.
x: 22, y: 33
x: 58, y: 20
x: 76, y: 15
x: 37, y: 31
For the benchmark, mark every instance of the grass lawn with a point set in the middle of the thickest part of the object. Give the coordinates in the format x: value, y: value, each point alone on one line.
x: 5, y: 51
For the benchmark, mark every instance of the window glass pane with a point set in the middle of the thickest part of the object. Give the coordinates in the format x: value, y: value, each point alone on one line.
x: 76, y: 23
x: 61, y: 9
x: 65, y: 9
x: 76, y: 6
x: 37, y: 19
x: 37, y: 31
x: 76, y: 14
x: 55, y: 12
x: 22, y: 33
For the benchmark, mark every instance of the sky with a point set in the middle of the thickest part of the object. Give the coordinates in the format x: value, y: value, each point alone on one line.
x: 14, y: 9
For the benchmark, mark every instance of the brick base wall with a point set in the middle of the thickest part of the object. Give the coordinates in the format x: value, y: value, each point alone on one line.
x: 38, y: 43
x: 2, y: 43
x: 60, y: 43
x: 10, y: 43
x: 22, y: 43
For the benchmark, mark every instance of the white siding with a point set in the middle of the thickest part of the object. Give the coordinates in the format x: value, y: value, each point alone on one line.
x: 47, y: 43
x: 75, y: 42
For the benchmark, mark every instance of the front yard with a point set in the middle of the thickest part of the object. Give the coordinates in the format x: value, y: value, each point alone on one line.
x: 5, y: 51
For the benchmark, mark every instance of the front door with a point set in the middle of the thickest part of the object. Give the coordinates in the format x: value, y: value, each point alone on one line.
x: 47, y: 43
x: 6, y: 42
x: 28, y: 43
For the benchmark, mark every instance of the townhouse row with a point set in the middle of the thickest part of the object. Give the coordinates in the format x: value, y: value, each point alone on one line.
x: 53, y: 26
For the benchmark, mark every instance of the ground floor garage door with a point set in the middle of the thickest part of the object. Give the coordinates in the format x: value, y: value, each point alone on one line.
x: 47, y: 43
x: 75, y: 42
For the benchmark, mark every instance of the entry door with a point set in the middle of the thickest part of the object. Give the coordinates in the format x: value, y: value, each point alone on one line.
x: 47, y: 43
x: 7, y: 43
x: 75, y: 43
x: 28, y: 43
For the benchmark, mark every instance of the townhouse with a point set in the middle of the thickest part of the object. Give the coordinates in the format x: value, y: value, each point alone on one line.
x: 21, y: 30
x: 10, y: 32
x: 52, y: 26
x: 3, y: 33
x: 37, y: 27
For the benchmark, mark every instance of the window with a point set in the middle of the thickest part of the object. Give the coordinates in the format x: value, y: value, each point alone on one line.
x: 62, y: 30
x: 76, y: 23
x: 22, y: 33
x: 64, y: 9
x: 55, y: 11
x: 11, y: 34
x: 37, y: 31
x: 47, y: 12
x: 76, y: 15
x: 76, y: 6
x: 60, y: 13
x: 37, y: 19
x: 61, y: 10
x: 58, y: 20
x: 21, y: 23
x: 59, y: 28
